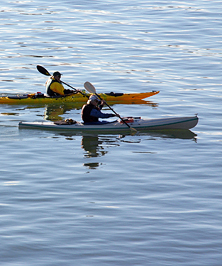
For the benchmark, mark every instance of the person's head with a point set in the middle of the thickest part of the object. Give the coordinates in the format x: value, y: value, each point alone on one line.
x: 93, y: 99
x: 57, y: 75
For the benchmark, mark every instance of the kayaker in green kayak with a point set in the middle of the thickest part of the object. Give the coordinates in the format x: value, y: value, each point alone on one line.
x: 54, y: 86
x: 91, y: 111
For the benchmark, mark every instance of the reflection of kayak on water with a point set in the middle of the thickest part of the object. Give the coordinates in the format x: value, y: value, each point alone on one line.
x: 98, y: 144
x: 40, y: 98
x: 164, y: 133
x: 136, y: 122
x: 55, y: 112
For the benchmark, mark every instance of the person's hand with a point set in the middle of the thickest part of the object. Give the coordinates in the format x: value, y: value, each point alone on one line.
x: 75, y: 91
x: 67, y: 91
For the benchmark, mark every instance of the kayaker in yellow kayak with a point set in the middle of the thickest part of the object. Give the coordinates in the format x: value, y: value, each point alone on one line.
x: 91, y: 111
x: 54, y: 86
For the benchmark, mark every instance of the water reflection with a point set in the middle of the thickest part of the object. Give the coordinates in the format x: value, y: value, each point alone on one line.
x: 172, y: 133
x: 97, y: 145
x: 92, y: 146
x: 55, y: 112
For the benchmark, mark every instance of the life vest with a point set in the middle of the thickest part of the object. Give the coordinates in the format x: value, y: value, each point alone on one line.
x: 86, y: 110
x: 48, y: 90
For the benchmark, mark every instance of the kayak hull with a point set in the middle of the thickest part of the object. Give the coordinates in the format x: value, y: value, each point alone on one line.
x: 117, y: 126
x: 76, y: 98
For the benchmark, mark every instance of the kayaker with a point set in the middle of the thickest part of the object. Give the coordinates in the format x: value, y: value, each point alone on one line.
x: 54, y: 86
x: 91, y: 111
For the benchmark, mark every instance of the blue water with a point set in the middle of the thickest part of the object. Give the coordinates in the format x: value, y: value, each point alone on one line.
x: 112, y: 199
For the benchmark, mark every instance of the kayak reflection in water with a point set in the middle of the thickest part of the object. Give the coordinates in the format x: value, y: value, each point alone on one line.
x: 91, y: 111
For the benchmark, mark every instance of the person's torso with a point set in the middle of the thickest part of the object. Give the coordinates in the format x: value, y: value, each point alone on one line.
x: 86, y: 110
x: 54, y: 88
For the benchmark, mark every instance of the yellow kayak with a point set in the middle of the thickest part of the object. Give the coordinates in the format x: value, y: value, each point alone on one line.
x: 113, y: 98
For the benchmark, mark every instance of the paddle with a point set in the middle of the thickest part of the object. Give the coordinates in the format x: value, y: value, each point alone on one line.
x: 90, y: 88
x: 45, y: 72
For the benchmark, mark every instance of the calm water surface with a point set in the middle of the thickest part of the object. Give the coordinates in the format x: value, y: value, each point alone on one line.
x: 149, y: 199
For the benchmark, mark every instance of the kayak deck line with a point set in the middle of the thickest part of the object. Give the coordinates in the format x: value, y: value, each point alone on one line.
x: 138, y: 123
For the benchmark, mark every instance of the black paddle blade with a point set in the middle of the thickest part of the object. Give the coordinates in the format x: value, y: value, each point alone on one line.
x: 43, y: 70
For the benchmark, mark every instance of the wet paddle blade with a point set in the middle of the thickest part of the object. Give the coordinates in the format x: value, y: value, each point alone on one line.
x: 43, y: 71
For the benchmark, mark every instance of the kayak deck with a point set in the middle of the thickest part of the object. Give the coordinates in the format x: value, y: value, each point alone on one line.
x: 137, y: 123
x: 110, y: 97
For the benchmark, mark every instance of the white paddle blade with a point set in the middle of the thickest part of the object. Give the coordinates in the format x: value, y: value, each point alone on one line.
x: 89, y: 87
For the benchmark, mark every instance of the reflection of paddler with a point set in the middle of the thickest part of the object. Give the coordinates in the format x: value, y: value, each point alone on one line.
x: 91, y: 145
x: 55, y: 113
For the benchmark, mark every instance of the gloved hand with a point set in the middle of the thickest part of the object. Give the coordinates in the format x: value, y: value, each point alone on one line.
x: 66, y: 91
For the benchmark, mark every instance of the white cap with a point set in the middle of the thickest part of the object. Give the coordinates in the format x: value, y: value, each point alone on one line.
x: 93, y: 98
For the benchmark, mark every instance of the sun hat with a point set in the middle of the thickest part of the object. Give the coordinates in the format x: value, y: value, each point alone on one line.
x: 57, y: 73
x: 93, y: 98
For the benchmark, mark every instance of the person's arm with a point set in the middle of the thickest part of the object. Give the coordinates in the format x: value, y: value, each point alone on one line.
x: 99, y: 114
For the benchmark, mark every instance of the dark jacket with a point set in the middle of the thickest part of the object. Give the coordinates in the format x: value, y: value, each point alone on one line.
x: 86, y: 110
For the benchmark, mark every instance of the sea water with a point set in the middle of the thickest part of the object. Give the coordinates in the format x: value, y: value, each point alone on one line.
x: 153, y: 198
